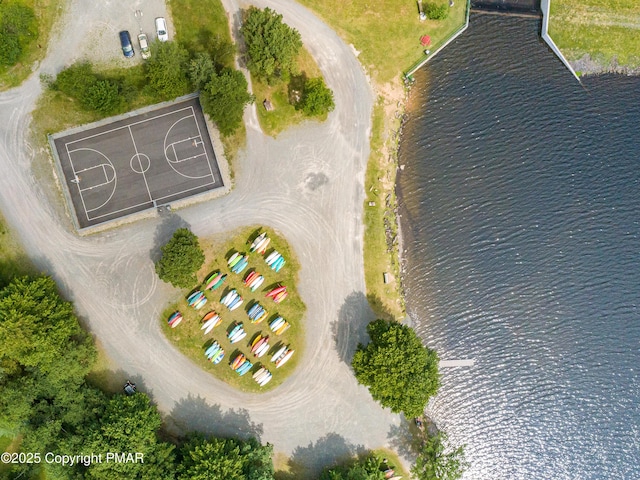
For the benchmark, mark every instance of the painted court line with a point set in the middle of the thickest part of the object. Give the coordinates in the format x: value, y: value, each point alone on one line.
x: 144, y: 177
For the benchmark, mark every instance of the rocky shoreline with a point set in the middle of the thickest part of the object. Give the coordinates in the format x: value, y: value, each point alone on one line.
x: 589, y: 66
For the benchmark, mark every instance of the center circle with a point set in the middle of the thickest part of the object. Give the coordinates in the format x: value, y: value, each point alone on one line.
x: 140, y: 163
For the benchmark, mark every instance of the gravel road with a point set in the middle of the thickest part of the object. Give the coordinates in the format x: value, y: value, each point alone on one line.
x: 310, y: 187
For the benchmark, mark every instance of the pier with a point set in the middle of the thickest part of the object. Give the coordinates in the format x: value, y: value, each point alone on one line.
x: 457, y: 363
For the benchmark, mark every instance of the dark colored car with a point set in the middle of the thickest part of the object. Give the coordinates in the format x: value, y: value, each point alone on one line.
x: 125, y: 41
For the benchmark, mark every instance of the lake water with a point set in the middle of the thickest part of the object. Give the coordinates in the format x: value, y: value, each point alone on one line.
x: 520, y: 206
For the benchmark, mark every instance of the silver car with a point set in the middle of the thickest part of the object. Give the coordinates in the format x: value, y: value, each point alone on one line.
x: 161, y: 29
x: 145, y: 52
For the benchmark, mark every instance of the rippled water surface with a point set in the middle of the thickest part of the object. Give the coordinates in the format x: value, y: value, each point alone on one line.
x: 520, y: 207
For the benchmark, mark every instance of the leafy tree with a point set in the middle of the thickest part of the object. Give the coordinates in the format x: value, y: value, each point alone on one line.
x: 104, y: 97
x: 437, y: 461
x: 222, y: 459
x: 129, y: 424
x: 166, y: 70
x: 368, y: 467
x: 436, y: 11
x: 181, y: 259
x: 272, y: 46
x: 398, y: 370
x: 317, y: 98
x: 224, y: 98
x: 201, y: 69
x: 75, y: 80
x: 18, y: 28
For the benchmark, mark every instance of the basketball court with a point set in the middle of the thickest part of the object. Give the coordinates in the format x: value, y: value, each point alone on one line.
x: 141, y: 162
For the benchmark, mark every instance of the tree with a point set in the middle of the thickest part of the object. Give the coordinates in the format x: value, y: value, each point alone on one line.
x: 222, y: 459
x: 435, y: 11
x: 104, y: 97
x: 165, y: 71
x: 181, y: 259
x: 272, y: 46
x: 18, y: 27
x: 437, y: 461
x: 201, y: 69
x: 398, y: 370
x: 368, y: 467
x: 129, y: 424
x: 317, y: 98
x: 224, y: 98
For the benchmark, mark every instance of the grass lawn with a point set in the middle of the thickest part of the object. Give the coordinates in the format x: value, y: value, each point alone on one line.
x: 386, y: 32
x: 604, y: 29
x: 284, y: 114
x: 198, y: 23
x: 47, y: 12
x: 393, y: 461
x: 191, y: 341
x: 384, y: 298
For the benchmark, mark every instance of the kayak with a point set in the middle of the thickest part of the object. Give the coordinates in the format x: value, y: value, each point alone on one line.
x: 235, y: 260
x: 238, y: 337
x: 280, y: 297
x: 237, y: 299
x: 271, y: 257
x: 245, y: 368
x: 283, y: 328
x: 212, y: 280
x: 241, y: 266
x: 249, y: 278
x: 237, y: 361
x: 232, y: 258
x: 201, y: 303
x: 175, y: 317
x: 260, y: 317
x: 257, y: 242
x: 219, y: 283
x: 228, y: 298
x: 234, y: 331
x: 257, y: 344
x: 215, y: 346
x: 213, y: 323
x: 279, y: 353
x: 266, y: 380
x: 257, y: 283
x: 253, y: 309
x: 280, y: 265
x: 263, y: 248
x: 236, y: 304
x: 259, y: 372
x: 264, y: 348
x: 276, y: 291
x: 284, y: 359
x: 194, y: 298
x: 275, y: 324
x: 218, y: 357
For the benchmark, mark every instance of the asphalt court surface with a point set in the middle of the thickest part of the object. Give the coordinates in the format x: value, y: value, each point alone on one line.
x: 138, y: 163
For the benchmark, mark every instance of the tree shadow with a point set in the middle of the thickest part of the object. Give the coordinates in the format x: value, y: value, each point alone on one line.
x: 379, y: 308
x: 351, y: 327
x: 405, y: 438
x: 195, y: 414
x: 113, y: 381
x: 308, y: 462
x: 295, y: 89
x: 165, y: 230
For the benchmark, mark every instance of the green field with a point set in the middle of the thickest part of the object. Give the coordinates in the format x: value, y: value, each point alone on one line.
x: 191, y: 341
x: 604, y: 29
x: 386, y: 32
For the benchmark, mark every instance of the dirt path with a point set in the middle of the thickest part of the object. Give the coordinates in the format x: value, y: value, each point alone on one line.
x: 310, y: 187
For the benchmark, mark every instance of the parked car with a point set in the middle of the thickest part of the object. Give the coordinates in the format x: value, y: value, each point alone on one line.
x: 125, y: 41
x: 161, y: 29
x: 144, y: 46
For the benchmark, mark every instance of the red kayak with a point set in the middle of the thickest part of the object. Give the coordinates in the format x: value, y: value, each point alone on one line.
x: 276, y: 291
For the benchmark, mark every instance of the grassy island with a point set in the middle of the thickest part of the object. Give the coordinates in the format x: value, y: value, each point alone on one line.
x: 188, y: 335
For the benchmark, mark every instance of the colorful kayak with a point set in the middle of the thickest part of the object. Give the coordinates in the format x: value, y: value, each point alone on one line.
x: 218, y: 357
x: 264, y: 348
x: 228, y: 298
x: 263, y: 248
x: 233, y: 303
x: 212, y: 350
x: 254, y: 308
x: 233, y: 258
x: 236, y: 304
x: 284, y: 359
x: 272, y: 257
x: 211, y: 324
x: 276, y: 291
x: 236, y: 260
x: 256, y: 345
x: 280, y: 265
x: 257, y: 242
x: 280, y: 297
x: 279, y: 353
x: 276, y: 324
x: 200, y: 303
x: 260, y: 317
x: 234, y: 330
x: 236, y: 334
x: 219, y: 283
x: 283, y: 328
x: 256, y: 340
x: 212, y: 280
x: 240, y: 266
x: 175, y: 319
x: 254, y: 281
x: 250, y: 277
x: 263, y: 374
x: 257, y: 283
x: 246, y: 366
x: 238, y: 361
x: 194, y: 298
x: 238, y: 337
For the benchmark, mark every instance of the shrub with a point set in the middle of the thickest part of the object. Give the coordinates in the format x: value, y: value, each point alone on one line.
x: 18, y: 28
x: 435, y: 11
x: 317, y: 98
